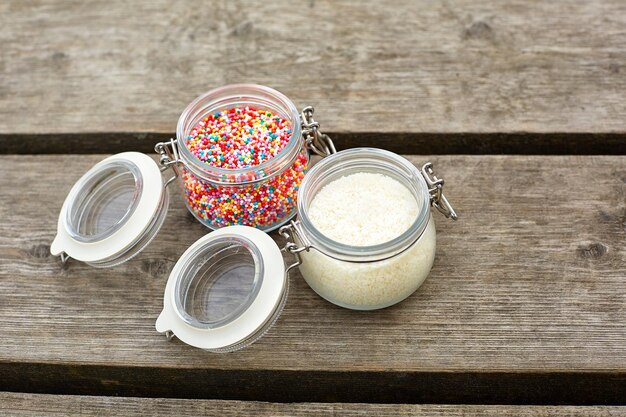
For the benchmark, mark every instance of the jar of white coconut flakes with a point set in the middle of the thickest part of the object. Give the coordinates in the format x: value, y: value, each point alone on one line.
x: 364, y: 236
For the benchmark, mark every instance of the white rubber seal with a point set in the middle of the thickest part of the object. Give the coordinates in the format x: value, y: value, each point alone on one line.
x: 251, y: 319
x: 131, y: 230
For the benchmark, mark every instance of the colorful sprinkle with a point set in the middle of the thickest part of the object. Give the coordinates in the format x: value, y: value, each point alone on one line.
x: 242, y: 138
x: 238, y: 137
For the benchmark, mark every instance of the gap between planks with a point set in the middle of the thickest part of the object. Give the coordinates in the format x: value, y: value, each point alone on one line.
x: 417, y: 143
x: 24, y: 405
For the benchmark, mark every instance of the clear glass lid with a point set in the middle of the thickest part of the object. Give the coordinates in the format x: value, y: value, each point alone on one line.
x: 218, y: 281
x: 104, y: 201
x: 113, y: 211
x: 225, y: 291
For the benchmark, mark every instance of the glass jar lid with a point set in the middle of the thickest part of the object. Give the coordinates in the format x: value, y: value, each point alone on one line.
x: 113, y: 211
x: 225, y: 291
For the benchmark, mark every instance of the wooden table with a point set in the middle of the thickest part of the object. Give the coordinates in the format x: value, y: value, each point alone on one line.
x: 521, y: 105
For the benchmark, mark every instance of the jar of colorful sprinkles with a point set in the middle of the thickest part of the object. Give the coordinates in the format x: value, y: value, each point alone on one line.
x: 241, y: 154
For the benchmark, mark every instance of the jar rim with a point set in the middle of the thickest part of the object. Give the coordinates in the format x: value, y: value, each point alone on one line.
x: 232, y: 93
x: 375, y: 158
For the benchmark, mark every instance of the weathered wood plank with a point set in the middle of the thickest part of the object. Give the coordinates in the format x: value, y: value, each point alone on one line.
x: 18, y: 404
x: 525, y: 303
x: 464, y: 77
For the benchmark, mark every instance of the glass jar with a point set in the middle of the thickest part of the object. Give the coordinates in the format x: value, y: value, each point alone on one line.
x: 261, y: 196
x: 115, y: 210
x: 367, y: 277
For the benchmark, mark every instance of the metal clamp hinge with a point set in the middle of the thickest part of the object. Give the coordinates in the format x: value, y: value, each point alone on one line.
x: 435, y: 189
x: 169, y: 158
x: 64, y: 257
x: 289, y: 232
x: 316, y: 141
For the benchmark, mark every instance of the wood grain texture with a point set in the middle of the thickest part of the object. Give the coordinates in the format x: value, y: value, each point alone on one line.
x: 16, y: 404
x: 419, y: 76
x: 525, y: 303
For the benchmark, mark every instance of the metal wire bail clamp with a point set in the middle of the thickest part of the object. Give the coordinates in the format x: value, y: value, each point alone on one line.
x: 316, y: 141
x: 435, y: 189
x: 169, y: 158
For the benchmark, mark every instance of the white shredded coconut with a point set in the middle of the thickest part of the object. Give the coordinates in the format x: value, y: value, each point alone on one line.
x: 367, y: 209
x: 363, y: 209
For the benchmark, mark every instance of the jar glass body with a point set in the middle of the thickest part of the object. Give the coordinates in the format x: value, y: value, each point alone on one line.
x: 262, y: 196
x: 366, y: 277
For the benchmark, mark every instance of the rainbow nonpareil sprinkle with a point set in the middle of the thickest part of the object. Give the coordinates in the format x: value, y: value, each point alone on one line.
x: 235, y: 139
x: 239, y: 137
x: 262, y: 204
